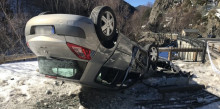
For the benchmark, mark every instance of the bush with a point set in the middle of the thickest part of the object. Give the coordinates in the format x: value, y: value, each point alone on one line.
x: 187, y: 3
x: 201, y: 2
x: 204, y: 19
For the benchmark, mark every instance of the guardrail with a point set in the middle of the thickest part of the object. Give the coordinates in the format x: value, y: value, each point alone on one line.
x: 196, y: 43
x: 11, y: 58
x: 193, y: 41
x: 175, y: 49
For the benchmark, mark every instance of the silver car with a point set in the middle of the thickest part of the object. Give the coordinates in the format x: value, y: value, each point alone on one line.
x: 89, y: 51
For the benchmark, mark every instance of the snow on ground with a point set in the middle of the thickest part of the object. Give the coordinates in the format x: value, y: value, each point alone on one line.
x: 22, y: 87
x: 217, y: 13
x: 204, y: 74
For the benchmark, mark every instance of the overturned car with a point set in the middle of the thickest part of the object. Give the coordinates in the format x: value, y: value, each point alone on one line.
x: 89, y: 51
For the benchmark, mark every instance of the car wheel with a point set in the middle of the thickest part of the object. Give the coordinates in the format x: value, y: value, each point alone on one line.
x: 153, y: 54
x: 105, y: 24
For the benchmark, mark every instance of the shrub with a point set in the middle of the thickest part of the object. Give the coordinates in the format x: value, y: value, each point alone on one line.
x: 201, y: 2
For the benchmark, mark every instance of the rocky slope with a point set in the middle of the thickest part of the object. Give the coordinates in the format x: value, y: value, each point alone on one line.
x: 175, y: 15
x: 160, y: 7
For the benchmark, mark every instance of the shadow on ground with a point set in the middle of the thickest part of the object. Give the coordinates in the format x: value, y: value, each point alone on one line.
x: 136, y: 97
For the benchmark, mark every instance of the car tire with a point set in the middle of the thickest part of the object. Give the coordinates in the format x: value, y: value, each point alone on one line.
x: 153, y: 54
x: 105, y: 25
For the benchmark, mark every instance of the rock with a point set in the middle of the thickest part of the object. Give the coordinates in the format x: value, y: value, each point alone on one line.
x: 56, y: 83
x: 71, y: 107
x: 200, y: 100
x: 194, y: 76
x: 74, y: 92
x: 38, y: 103
x: 21, y: 82
x: 160, y: 6
x: 23, y: 95
x: 172, y: 99
x: 46, y: 104
x: 12, y: 79
x: 57, y: 103
x: 3, y: 83
x: 81, y: 107
x: 2, y: 99
x: 62, y: 83
x: 71, y: 93
x: 48, y: 92
x: 47, y: 82
x: 61, y: 95
x: 41, y: 101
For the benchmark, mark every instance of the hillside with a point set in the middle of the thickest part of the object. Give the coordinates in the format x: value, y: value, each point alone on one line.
x: 175, y: 15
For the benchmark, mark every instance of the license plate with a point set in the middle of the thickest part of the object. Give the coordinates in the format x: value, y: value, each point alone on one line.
x: 44, y: 30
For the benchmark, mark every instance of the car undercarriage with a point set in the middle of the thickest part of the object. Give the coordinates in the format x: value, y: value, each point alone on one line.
x: 89, y: 51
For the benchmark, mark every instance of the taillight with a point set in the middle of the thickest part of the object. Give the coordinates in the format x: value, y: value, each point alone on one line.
x: 81, y: 52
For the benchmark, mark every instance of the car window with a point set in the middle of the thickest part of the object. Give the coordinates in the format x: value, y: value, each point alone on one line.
x: 71, y: 69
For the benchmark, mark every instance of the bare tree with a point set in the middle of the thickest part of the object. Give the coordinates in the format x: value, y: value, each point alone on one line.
x: 13, y: 29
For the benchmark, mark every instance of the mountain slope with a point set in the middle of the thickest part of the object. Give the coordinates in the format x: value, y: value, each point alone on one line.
x: 175, y: 15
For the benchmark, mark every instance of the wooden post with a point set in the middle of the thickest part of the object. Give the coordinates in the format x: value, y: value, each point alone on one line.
x: 213, y: 46
x: 170, y: 54
x: 2, y: 59
x: 195, y: 54
x: 219, y: 49
x: 204, y: 51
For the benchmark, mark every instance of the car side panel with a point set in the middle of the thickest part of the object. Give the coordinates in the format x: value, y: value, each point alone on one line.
x: 99, y: 59
x: 119, y: 60
x: 122, y: 55
x: 125, y: 45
